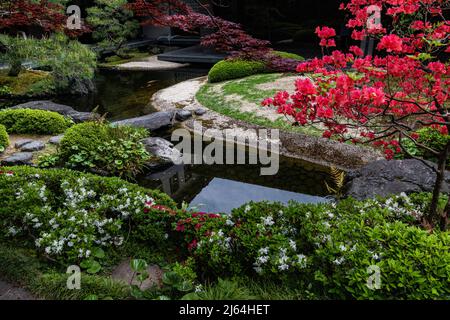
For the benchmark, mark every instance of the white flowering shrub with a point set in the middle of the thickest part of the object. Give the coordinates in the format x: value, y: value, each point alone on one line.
x: 67, y: 215
x: 327, y: 248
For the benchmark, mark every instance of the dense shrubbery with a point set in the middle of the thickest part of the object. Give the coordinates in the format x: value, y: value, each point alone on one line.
x: 68, y: 215
x: 100, y: 147
x: 29, y: 121
x: 327, y: 248
x: 4, y: 139
x: 235, y: 69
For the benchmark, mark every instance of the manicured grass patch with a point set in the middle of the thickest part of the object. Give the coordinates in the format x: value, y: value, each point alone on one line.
x: 27, y: 83
x: 30, y: 121
x: 214, y: 97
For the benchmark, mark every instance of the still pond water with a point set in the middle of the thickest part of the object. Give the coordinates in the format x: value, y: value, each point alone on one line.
x: 212, y: 188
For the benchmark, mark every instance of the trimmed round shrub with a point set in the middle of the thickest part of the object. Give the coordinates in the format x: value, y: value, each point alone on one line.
x: 103, y: 148
x: 234, y: 69
x: 30, y: 121
x: 69, y: 216
x: 4, y: 139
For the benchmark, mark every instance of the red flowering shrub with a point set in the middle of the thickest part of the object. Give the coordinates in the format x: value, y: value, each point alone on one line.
x: 380, y: 99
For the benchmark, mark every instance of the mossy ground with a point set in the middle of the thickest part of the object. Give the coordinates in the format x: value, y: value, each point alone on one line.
x: 27, y: 83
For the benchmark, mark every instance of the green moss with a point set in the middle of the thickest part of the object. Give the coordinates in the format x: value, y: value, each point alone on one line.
x: 29, y: 121
x: 27, y: 83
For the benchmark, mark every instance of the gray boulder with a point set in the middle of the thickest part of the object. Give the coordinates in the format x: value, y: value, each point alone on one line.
x: 21, y: 158
x: 384, y: 178
x: 62, y: 109
x: 200, y: 112
x: 45, y: 105
x: 153, y: 121
x: 56, y: 140
x: 20, y: 143
x: 183, y: 115
x: 163, y: 149
x: 32, y: 146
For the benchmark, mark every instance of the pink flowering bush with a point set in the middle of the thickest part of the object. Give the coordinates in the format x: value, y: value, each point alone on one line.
x: 382, y: 99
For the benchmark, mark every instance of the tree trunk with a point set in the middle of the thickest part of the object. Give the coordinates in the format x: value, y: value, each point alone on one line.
x: 434, y: 217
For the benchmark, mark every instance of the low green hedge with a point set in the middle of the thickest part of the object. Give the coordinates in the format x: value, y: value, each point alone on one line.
x: 30, y: 121
x: 235, y: 69
x: 4, y: 139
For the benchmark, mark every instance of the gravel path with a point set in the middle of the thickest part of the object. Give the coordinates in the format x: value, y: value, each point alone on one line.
x: 11, y: 292
x: 149, y: 64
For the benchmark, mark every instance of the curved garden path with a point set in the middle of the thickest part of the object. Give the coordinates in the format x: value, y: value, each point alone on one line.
x: 298, y: 145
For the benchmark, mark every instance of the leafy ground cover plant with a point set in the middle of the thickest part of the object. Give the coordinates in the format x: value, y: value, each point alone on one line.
x: 103, y: 148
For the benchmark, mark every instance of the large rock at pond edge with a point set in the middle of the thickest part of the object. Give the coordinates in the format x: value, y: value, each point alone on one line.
x: 21, y: 158
x: 153, y: 121
x: 62, y: 109
x: 163, y: 149
x: 383, y: 178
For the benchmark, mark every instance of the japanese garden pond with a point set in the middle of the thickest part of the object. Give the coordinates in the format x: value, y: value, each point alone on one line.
x: 211, y: 188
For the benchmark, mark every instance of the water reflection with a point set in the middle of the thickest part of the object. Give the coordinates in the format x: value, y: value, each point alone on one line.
x: 220, y: 188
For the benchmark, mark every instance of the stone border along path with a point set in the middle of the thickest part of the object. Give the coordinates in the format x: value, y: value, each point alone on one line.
x: 316, y: 150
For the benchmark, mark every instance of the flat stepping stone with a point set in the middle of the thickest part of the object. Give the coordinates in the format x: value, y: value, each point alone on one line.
x: 56, y: 140
x: 32, y: 146
x: 20, y: 158
x: 123, y: 273
x: 20, y: 143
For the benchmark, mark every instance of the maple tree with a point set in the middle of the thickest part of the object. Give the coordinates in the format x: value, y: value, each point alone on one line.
x: 46, y: 15
x: 225, y: 36
x: 382, y: 99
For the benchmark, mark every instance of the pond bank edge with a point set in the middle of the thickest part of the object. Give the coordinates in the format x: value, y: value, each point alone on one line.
x: 316, y: 150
